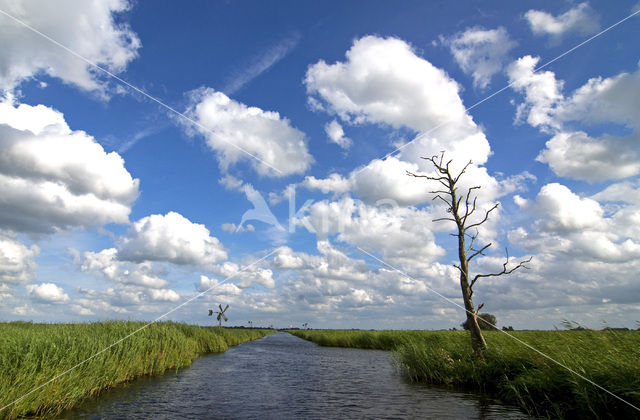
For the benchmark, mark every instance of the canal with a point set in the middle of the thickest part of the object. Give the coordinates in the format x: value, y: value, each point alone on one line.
x: 282, y: 376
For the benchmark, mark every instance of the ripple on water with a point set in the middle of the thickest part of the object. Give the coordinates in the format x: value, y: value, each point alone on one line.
x: 282, y: 376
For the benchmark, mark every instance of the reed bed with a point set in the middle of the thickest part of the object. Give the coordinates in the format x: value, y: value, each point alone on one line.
x: 32, y: 354
x: 514, y: 373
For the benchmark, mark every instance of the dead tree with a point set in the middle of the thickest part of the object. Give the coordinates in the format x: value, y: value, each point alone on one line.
x: 461, y: 205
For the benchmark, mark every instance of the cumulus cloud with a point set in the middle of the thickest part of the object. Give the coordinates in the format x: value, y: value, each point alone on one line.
x: 53, y: 178
x: 558, y: 209
x: 139, y: 286
x: 580, y: 156
x: 215, y: 287
x: 171, y: 238
x: 379, y: 180
x: 47, y: 292
x: 86, y: 27
x: 246, y: 276
x: 588, y: 245
x: 542, y: 92
x: 382, y: 80
x: 334, y: 183
x: 107, y: 264
x: 17, y: 262
x: 613, y: 99
x: 124, y: 299
x: 237, y: 132
x: 568, y: 225
x: 581, y: 19
x: 480, y: 52
x: 334, y: 282
x: 625, y: 192
x: 600, y: 101
x: 385, y: 182
x: 403, y: 235
x: 336, y: 134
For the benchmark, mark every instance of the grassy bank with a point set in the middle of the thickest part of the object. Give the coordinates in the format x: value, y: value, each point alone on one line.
x: 514, y: 373
x: 32, y: 354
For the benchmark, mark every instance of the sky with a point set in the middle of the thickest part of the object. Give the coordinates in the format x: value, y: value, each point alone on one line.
x: 255, y: 154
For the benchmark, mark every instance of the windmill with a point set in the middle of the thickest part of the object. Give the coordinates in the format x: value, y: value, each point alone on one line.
x: 220, y: 313
x: 305, y: 325
x: 250, y: 324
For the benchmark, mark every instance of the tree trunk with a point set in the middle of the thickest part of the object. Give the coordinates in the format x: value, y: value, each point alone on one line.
x: 467, y: 199
x: 478, y: 343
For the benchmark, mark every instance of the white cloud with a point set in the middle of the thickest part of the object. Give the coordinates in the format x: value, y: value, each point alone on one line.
x: 53, y: 178
x: 558, y: 209
x: 213, y: 286
x: 171, y: 238
x: 626, y: 192
x: 580, y: 156
x: 138, y: 285
x: 581, y: 19
x: 81, y: 310
x: 583, y: 250
x: 25, y: 310
x: 245, y: 276
x: 163, y: 295
x: 232, y: 228
x: 385, y: 182
x: 614, y: 99
x: 541, y: 89
x: 231, y: 183
x: 47, y: 292
x: 241, y: 133
x: 17, y: 262
x: 333, y: 282
x: 106, y: 263
x: 336, y: 134
x: 574, y: 153
x: 403, y: 235
x: 334, y: 183
x: 86, y: 27
x: 286, y: 258
x: 388, y: 180
x: 480, y: 52
x: 384, y: 81
x: 379, y: 180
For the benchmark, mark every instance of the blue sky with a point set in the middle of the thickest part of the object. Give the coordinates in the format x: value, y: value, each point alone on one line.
x: 115, y: 206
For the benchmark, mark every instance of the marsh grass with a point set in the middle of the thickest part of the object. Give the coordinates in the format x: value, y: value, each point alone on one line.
x: 512, y: 372
x: 32, y: 354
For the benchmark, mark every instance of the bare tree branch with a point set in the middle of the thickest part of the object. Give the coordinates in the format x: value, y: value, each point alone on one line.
x: 455, y: 181
x: 486, y: 217
x: 478, y: 252
x: 440, y: 219
x: 461, y: 216
x: 521, y: 264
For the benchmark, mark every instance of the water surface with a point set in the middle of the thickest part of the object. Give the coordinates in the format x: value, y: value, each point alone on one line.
x: 282, y: 376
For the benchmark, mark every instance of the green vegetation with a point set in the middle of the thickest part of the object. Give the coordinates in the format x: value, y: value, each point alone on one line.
x: 512, y: 372
x: 32, y: 354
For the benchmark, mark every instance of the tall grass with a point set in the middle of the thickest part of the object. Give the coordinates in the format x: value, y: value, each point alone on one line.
x: 514, y: 373
x: 32, y: 354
